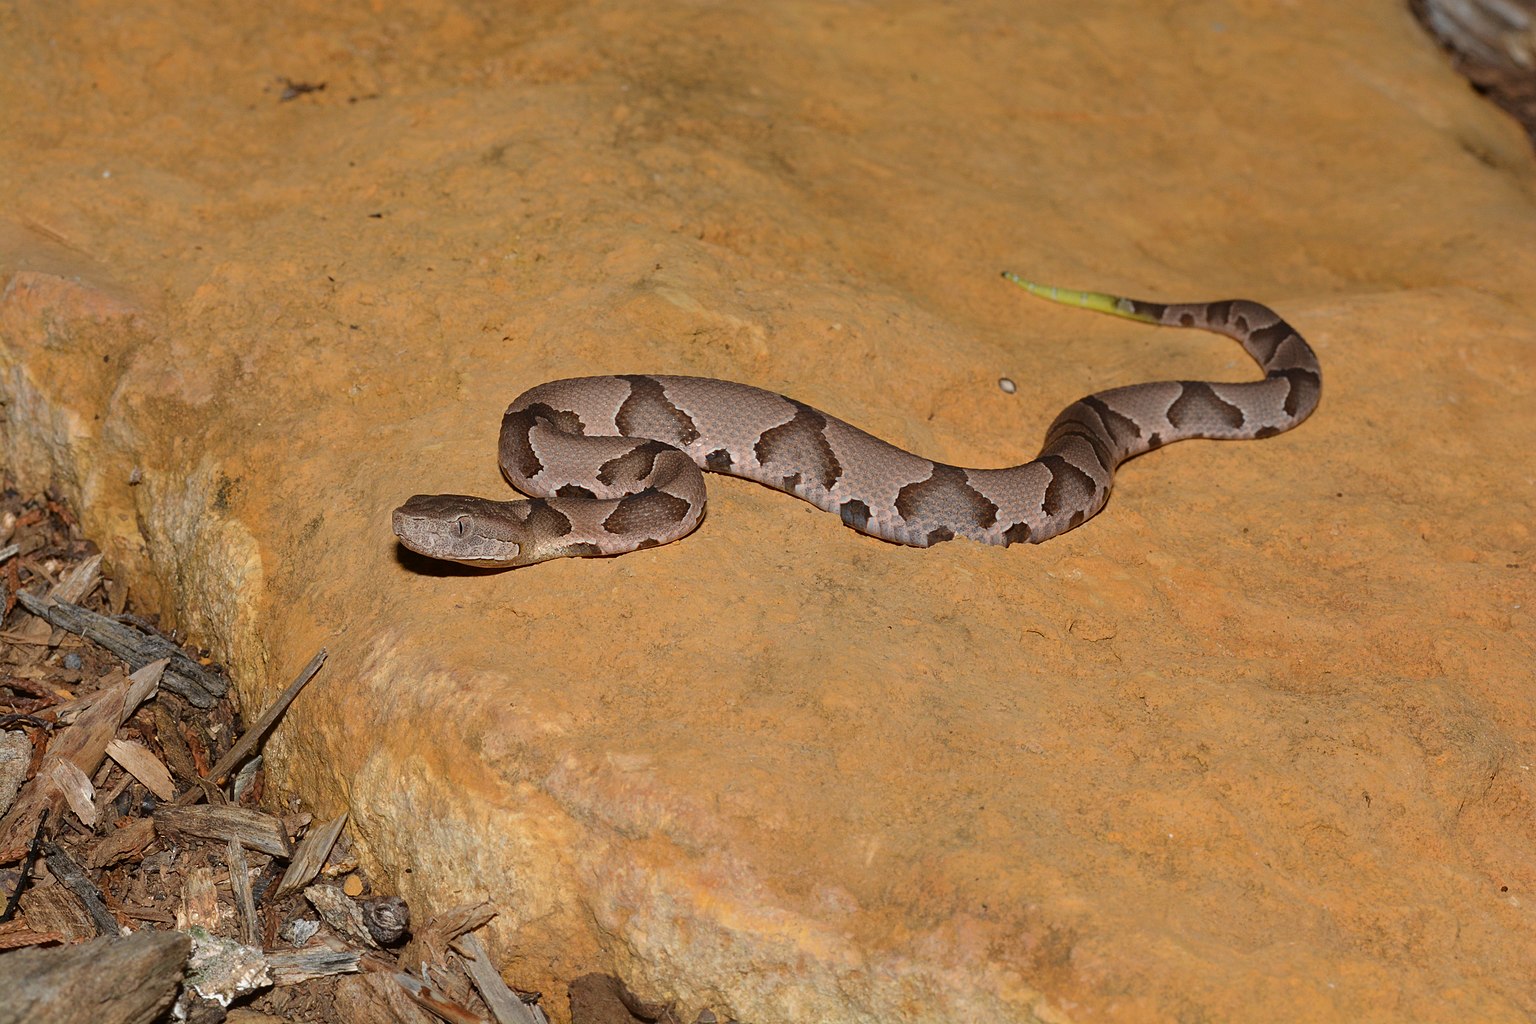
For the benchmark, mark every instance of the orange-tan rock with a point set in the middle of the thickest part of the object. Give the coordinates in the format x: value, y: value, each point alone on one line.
x: 1255, y: 743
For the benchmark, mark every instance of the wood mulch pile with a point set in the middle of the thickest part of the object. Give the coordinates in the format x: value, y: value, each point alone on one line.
x: 1492, y: 43
x: 140, y: 875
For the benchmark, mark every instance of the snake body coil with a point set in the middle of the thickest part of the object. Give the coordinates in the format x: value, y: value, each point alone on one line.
x: 614, y: 463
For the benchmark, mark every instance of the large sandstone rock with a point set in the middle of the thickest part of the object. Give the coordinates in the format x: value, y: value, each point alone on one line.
x: 1256, y: 743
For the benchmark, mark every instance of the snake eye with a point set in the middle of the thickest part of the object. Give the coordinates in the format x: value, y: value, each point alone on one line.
x: 461, y: 526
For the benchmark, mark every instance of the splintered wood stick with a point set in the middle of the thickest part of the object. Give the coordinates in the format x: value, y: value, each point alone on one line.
x: 247, y: 744
x: 240, y: 888
x: 183, y: 676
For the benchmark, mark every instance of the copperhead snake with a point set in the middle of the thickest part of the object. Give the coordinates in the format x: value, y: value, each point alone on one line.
x: 613, y: 463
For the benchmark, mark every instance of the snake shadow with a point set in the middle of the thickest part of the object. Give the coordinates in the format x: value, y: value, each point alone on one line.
x: 424, y: 566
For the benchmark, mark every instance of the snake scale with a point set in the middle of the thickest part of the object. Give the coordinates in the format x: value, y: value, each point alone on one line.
x: 613, y: 463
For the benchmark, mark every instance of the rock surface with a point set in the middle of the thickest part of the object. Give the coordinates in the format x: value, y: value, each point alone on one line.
x: 1255, y: 743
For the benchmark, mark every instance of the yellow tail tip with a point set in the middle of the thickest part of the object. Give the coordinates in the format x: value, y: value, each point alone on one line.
x: 1100, y: 301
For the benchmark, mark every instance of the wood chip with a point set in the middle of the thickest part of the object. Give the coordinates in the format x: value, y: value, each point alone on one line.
x: 173, y: 745
x: 246, y: 1015
x: 77, y: 789
x: 143, y: 684
x: 78, y: 582
x: 149, y: 914
x: 310, y: 856
x: 240, y: 887
x: 503, y: 1003
x: 377, y: 999
x: 303, y: 964
x: 34, y: 632
x: 343, y: 915
x: 442, y: 1005
x: 126, y: 843
x: 143, y: 765
x: 109, y: 981
x: 84, y: 743
x: 199, y: 901
x: 117, y: 595
x: 253, y: 829
x: 107, y: 798
x: 247, y: 780
x: 431, y: 943
x: 69, y: 875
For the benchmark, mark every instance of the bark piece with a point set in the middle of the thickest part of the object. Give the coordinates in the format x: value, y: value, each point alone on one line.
x: 54, y: 909
x: 15, y: 756
x: 183, y: 675
x: 310, y: 855
x: 18, y: 935
x: 222, y: 969
x: 71, y: 877
x: 128, y: 842
x: 143, y: 765
x: 84, y: 743
x: 253, y: 829
x: 503, y: 1003
x: 109, y: 981
x: 240, y: 887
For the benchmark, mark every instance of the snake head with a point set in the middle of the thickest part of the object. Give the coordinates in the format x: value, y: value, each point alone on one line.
x: 474, y: 531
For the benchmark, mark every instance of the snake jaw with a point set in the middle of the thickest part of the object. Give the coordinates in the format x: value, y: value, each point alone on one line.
x: 462, y: 528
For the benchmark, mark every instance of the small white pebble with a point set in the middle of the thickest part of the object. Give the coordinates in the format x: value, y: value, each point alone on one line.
x: 1007, y: 384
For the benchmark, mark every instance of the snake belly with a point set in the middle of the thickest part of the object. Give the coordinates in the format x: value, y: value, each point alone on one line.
x: 614, y: 463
